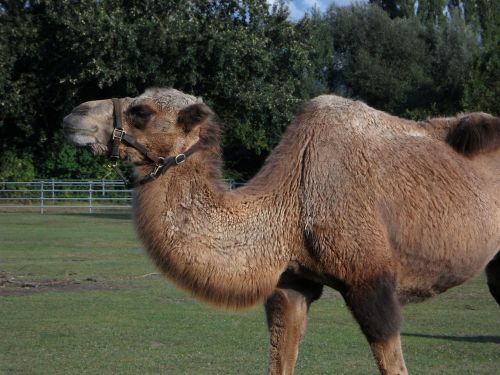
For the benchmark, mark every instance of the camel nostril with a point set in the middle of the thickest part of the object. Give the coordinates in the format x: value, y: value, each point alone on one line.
x: 67, y: 125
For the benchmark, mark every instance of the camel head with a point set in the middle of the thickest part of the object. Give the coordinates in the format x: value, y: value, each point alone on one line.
x: 165, y: 122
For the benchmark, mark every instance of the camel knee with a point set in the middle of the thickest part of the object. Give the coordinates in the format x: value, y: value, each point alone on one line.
x: 287, y: 310
x: 493, y: 277
x: 275, y: 307
x: 291, y: 304
x: 375, y: 308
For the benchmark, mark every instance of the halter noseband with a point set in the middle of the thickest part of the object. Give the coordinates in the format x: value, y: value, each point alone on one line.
x: 160, y: 164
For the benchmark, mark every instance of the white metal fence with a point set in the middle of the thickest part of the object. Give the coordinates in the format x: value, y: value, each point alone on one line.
x: 80, y: 195
x: 44, y: 195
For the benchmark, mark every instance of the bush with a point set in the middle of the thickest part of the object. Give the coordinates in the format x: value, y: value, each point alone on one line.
x: 16, y: 168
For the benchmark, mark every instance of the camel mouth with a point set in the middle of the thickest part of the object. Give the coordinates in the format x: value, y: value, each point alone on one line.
x: 98, y: 149
x: 83, y: 134
x: 79, y: 137
x: 87, y: 141
x: 79, y: 130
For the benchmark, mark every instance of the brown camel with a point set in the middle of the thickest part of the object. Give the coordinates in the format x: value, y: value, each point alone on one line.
x: 384, y: 210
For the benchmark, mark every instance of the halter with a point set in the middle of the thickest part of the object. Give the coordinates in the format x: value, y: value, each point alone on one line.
x: 160, y: 164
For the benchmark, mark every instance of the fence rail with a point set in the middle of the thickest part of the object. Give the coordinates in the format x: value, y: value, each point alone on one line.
x: 85, y: 195
x: 80, y: 195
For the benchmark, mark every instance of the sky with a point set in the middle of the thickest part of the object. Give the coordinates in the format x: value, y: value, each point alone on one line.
x: 299, y: 7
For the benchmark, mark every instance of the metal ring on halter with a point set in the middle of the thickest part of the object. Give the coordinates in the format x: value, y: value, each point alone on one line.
x: 179, y: 159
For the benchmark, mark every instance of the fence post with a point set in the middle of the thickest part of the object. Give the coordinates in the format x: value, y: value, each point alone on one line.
x: 53, y: 189
x: 41, y: 198
x: 90, y: 196
x: 103, y: 188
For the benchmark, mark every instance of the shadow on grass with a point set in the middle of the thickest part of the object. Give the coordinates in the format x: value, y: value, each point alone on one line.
x: 475, y: 339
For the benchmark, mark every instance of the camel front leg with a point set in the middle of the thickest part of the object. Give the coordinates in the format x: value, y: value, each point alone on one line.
x: 375, y: 307
x: 286, y: 312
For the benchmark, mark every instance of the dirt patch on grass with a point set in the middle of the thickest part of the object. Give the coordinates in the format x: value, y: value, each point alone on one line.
x: 13, y: 286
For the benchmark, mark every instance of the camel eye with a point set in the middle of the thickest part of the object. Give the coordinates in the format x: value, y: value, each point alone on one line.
x: 140, y: 115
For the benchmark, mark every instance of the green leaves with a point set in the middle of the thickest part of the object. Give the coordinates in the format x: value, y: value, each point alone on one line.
x: 404, y: 65
x: 483, y: 87
x: 17, y: 168
x: 246, y: 59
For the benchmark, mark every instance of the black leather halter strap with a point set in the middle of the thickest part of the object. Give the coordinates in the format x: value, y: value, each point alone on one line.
x: 160, y: 164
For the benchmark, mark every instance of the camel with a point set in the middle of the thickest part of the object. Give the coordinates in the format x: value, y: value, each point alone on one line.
x: 384, y: 210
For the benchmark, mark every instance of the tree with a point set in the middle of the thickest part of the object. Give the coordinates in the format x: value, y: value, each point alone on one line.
x: 452, y: 47
x: 396, y: 8
x: 247, y: 60
x: 463, y: 37
x: 406, y: 66
x: 380, y: 60
x: 483, y: 87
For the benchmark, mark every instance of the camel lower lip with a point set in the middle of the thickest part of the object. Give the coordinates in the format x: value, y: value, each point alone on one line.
x: 75, y: 129
x: 98, y: 148
x: 80, y: 138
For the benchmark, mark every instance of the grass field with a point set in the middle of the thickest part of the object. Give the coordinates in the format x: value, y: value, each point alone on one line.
x: 78, y: 296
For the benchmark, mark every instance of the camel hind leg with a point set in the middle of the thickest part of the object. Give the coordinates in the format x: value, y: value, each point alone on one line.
x: 286, y: 312
x: 493, y: 277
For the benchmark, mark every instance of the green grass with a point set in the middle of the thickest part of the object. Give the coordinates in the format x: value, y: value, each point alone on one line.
x: 115, y: 317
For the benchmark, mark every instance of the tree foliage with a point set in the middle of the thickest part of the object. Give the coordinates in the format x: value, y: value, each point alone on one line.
x: 402, y: 64
x: 463, y: 41
x: 483, y: 87
x: 245, y: 58
x: 378, y: 59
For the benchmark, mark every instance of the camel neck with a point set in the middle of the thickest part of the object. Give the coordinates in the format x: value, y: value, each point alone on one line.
x: 226, y: 247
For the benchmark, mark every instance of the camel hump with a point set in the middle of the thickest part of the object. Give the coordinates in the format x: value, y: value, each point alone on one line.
x: 475, y: 134
x: 331, y: 100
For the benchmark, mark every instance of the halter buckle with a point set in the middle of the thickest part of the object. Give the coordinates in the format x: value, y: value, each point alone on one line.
x: 118, y: 134
x: 179, y: 159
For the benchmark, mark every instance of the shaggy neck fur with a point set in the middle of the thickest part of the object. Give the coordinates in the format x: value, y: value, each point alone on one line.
x: 213, y: 242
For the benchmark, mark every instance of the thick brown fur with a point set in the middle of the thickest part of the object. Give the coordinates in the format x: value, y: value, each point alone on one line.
x: 475, y: 133
x: 380, y: 208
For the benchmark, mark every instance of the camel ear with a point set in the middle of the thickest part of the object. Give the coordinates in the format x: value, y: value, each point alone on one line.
x: 193, y: 115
